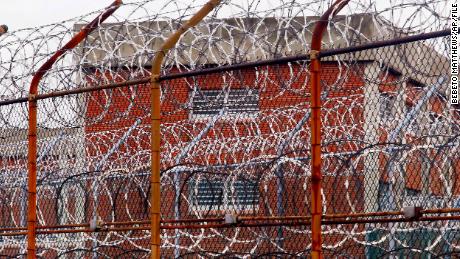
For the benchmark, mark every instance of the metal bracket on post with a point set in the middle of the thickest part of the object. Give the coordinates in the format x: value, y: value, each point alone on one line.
x: 96, y: 224
x: 32, y: 97
x: 231, y: 219
x: 314, y: 54
x: 412, y: 212
x: 154, y: 79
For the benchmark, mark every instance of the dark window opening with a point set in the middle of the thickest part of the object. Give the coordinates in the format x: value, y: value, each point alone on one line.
x: 236, y: 101
x: 216, y: 194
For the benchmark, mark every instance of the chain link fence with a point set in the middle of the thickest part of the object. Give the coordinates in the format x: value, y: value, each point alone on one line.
x: 235, y: 141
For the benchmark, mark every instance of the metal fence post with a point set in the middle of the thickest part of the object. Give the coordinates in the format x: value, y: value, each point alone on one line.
x: 32, y: 135
x: 315, y: 127
x: 155, y: 241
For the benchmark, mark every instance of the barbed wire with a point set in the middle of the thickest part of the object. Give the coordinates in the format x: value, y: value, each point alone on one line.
x: 242, y: 152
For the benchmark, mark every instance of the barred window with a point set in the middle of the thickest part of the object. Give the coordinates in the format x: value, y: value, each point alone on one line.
x: 436, y: 126
x: 236, y: 101
x: 209, y: 194
x: 215, y: 194
x: 387, y: 103
x: 414, y: 124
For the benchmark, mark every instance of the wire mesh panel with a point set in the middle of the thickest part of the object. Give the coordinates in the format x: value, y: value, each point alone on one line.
x: 237, y: 140
x: 378, y: 113
x: 93, y: 178
x: 397, y: 151
x: 13, y: 175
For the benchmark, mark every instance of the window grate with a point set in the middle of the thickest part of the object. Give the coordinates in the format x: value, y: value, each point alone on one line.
x: 216, y: 194
x: 210, y: 193
x: 236, y: 101
x: 387, y: 103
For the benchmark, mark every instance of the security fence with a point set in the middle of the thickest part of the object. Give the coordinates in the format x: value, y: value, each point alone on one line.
x: 235, y: 154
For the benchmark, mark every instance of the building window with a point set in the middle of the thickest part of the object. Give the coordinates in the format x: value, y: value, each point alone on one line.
x: 412, y: 192
x: 414, y: 124
x: 236, y: 101
x: 387, y: 103
x: 218, y: 195
x: 209, y: 194
x: 435, y: 124
x: 385, y: 198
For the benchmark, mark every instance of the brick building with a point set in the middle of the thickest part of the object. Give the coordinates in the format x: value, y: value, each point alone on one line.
x: 248, y: 128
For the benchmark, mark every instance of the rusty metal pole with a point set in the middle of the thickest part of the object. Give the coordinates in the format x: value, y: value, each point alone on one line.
x: 155, y: 241
x: 3, y: 29
x: 32, y: 135
x: 315, y: 127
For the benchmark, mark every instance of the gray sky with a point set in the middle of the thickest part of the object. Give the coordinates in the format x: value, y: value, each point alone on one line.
x: 18, y: 14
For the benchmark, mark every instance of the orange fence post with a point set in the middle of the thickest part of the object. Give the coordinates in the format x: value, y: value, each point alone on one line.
x: 155, y: 241
x: 315, y: 127
x: 3, y: 29
x: 32, y: 135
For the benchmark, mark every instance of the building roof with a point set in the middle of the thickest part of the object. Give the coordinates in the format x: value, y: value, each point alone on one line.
x: 217, y: 41
x: 236, y: 40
